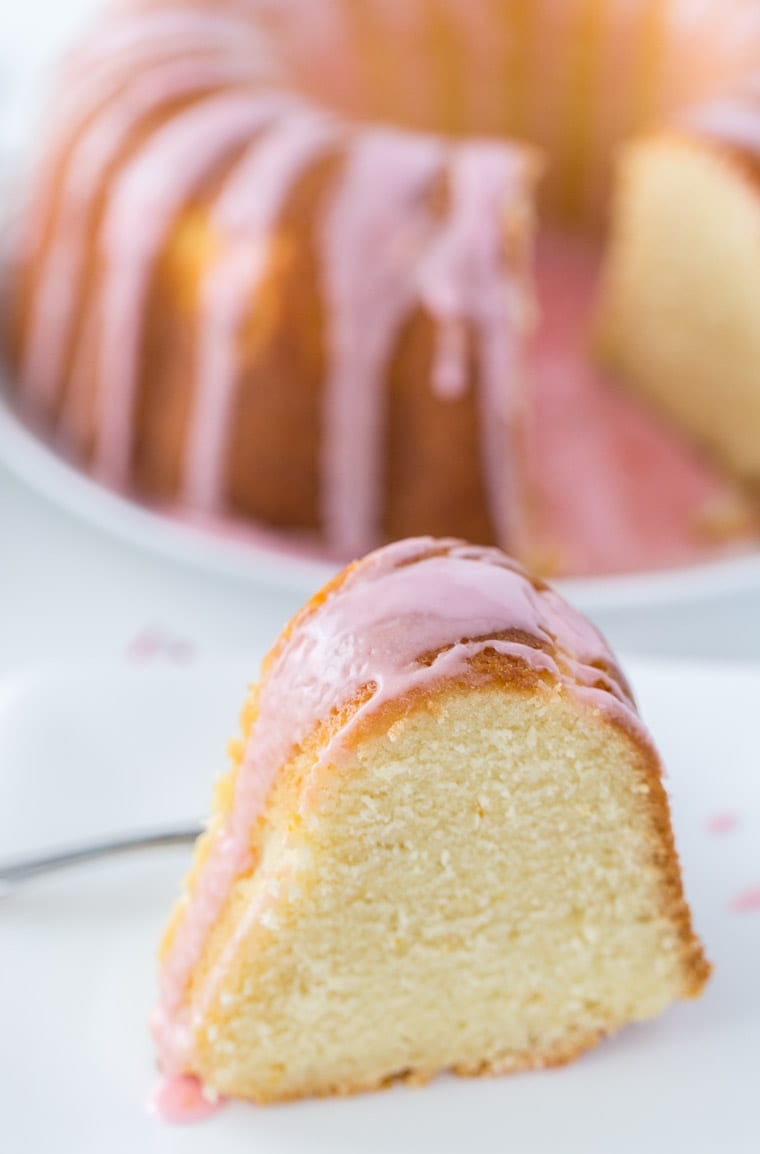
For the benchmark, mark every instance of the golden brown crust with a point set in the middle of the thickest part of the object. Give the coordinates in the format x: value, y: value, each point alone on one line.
x: 505, y: 1064
x: 695, y: 967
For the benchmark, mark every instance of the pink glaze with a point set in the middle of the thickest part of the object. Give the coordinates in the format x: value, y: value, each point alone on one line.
x: 55, y: 302
x: 722, y: 823
x: 733, y: 120
x: 247, y: 209
x: 319, y: 50
x: 397, y: 605
x: 468, y: 287
x: 129, y: 35
x: 154, y: 642
x: 616, y: 490
x: 116, y: 50
x: 463, y: 281
x: 457, y: 271
x: 145, y: 202
x: 379, y: 210
x: 747, y: 902
x: 182, y: 1099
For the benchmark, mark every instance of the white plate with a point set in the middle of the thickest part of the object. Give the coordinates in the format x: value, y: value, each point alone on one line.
x: 84, y: 753
x: 262, y: 556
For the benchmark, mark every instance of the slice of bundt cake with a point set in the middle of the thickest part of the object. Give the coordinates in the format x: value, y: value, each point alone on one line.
x: 680, y: 318
x: 443, y: 844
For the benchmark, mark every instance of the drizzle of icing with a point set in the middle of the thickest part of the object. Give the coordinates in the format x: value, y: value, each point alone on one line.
x: 404, y: 619
x: 732, y: 120
x: 467, y: 285
x: 145, y: 200
x: 155, y: 642
x: 182, y: 1098
x: 247, y: 209
x: 459, y: 271
x: 127, y: 36
x: 55, y: 301
x: 114, y: 52
x: 380, y: 211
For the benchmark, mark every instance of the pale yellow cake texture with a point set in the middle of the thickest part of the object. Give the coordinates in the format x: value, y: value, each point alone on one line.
x: 679, y: 319
x: 486, y: 883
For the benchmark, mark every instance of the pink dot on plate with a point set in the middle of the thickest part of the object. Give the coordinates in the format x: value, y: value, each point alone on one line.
x: 722, y: 822
x: 183, y: 1099
x: 144, y: 646
x: 748, y: 901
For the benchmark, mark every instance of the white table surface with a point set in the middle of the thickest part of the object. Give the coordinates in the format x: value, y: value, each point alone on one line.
x: 71, y: 594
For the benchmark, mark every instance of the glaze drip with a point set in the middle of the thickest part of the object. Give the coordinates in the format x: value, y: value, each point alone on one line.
x: 381, y: 209
x: 732, y: 120
x: 246, y: 211
x: 145, y: 201
x: 96, y: 150
x: 467, y: 285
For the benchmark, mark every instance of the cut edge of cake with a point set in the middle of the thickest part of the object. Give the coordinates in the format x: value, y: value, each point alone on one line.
x: 677, y: 316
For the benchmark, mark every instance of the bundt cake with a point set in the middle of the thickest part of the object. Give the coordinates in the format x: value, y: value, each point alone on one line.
x: 276, y: 258
x: 443, y: 843
x: 673, y: 189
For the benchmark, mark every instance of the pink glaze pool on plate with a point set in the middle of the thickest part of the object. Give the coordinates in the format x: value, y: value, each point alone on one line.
x: 722, y: 822
x: 748, y: 901
x: 182, y: 1099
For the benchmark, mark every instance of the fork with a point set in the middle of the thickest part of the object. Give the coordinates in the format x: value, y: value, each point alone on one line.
x: 26, y: 869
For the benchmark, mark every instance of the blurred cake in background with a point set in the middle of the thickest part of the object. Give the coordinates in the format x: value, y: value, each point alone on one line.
x: 276, y: 262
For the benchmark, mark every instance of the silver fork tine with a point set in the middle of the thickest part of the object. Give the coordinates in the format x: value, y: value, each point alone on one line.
x: 25, y: 869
